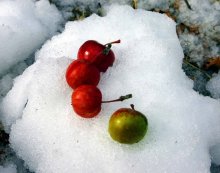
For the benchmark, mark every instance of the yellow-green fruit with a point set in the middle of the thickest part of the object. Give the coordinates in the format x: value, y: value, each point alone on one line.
x: 127, y: 126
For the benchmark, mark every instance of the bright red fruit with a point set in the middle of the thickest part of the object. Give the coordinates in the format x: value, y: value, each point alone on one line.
x: 86, y: 101
x: 82, y: 73
x: 100, y: 55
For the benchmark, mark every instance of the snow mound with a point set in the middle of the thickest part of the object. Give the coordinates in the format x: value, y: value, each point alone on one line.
x: 50, y: 137
x: 24, y: 26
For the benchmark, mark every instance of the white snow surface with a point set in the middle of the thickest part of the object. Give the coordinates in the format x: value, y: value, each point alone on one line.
x: 213, y: 86
x: 6, y: 81
x: 183, y: 125
x: 24, y: 26
x: 11, y: 168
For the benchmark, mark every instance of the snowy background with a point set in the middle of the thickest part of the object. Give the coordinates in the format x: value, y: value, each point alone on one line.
x: 159, y: 41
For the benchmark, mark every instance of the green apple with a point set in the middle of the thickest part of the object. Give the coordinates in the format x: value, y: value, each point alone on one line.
x: 127, y: 126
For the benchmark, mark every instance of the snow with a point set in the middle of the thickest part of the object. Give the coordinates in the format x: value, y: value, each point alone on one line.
x: 50, y: 137
x: 10, y: 107
x: 24, y: 26
x: 6, y: 81
x: 8, y: 169
x: 213, y: 86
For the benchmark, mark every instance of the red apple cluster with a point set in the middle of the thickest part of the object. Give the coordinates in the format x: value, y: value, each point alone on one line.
x: 83, y: 75
x: 125, y: 125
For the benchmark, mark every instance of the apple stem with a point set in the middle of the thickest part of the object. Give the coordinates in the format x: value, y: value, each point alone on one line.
x: 122, y: 98
x: 132, y: 106
x: 113, y: 42
x: 108, y: 46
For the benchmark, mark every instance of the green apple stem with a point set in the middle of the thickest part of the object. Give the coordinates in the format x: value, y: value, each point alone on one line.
x: 132, y: 106
x: 135, y: 4
x: 122, y: 98
x: 108, y: 46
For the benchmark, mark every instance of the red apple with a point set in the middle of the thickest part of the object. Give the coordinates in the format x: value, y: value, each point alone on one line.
x: 100, y: 55
x: 86, y: 101
x: 82, y: 73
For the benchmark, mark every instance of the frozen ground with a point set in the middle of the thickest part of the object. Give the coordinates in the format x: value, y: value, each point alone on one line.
x: 214, y: 86
x: 50, y: 137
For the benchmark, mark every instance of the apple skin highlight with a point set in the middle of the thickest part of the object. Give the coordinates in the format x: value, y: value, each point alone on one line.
x: 97, y: 54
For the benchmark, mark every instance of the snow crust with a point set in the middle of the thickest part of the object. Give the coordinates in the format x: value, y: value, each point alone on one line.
x: 50, y: 137
x: 24, y: 26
